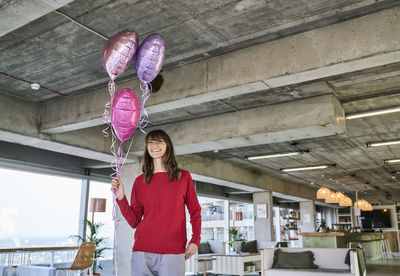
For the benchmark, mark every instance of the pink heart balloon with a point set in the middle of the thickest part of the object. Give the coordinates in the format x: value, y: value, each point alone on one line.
x: 119, y: 52
x: 150, y: 58
x: 125, y: 114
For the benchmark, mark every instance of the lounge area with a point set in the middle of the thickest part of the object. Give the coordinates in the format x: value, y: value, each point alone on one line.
x: 283, y: 117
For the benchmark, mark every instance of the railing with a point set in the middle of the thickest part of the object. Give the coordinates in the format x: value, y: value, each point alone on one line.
x: 17, y: 261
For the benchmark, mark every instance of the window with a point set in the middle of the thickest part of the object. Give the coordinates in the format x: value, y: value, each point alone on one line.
x: 38, y: 210
x: 102, y: 190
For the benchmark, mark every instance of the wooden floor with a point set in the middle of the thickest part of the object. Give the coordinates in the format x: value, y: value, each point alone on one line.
x: 391, y: 267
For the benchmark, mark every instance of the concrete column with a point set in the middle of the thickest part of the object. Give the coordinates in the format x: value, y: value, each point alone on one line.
x: 263, y: 227
x: 307, y: 216
x: 124, y: 233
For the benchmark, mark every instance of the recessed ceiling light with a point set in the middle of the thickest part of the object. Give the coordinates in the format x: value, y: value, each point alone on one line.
x: 35, y: 86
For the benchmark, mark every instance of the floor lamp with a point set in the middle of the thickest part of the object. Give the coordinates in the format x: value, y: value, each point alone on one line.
x: 97, y: 205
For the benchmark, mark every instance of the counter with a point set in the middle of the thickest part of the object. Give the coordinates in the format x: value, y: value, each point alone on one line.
x: 371, y: 242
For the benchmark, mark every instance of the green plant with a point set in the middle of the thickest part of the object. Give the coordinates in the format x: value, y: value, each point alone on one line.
x: 92, y: 236
x: 322, y: 225
x: 235, y: 236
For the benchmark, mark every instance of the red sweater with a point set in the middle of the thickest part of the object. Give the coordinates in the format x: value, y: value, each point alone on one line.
x: 157, y: 211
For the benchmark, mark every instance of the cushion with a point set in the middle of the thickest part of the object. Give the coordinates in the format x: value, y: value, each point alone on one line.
x: 295, y: 260
x: 204, y: 248
x: 250, y: 247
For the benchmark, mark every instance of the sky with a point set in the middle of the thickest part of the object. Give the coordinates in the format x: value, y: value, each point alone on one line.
x: 43, y: 207
x: 36, y: 205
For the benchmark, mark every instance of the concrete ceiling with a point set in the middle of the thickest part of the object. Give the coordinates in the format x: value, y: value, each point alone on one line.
x: 224, y: 58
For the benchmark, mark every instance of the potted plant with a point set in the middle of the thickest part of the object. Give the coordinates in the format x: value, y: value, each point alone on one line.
x: 323, y: 227
x: 99, y: 242
x: 250, y: 266
x: 235, y: 238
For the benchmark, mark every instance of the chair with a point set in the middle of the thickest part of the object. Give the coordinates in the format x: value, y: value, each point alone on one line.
x: 83, y: 259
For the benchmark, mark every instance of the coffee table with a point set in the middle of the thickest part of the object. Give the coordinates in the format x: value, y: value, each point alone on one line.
x: 205, y: 260
x: 234, y: 264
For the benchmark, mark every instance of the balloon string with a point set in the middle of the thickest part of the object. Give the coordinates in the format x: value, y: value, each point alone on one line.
x: 146, y: 92
x: 107, y: 108
x: 114, y: 217
x: 117, y: 156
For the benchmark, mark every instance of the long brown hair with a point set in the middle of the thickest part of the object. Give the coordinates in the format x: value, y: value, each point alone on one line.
x: 169, y: 157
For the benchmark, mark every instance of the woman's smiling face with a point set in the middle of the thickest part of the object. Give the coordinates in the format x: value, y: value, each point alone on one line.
x: 156, y: 147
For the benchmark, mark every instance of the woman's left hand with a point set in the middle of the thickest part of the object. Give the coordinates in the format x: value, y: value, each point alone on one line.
x: 191, y: 249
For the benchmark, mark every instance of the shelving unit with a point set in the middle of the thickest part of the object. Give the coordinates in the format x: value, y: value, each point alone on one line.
x: 345, y: 217
x: 289, y: 222
x: 398, y: 217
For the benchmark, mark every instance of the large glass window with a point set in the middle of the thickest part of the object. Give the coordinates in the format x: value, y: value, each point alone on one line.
x: 102, y: 190
x: 242, y: 218
x: 38, y: 210
x: 212, y: 215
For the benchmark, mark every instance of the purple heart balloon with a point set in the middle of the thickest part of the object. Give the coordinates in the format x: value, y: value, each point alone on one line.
x: 150, y: 58
x: 125, y: 114
x: 118, y: 52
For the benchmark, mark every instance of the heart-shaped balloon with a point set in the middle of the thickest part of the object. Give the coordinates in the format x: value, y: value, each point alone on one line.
x: 119, y: 52
x: 150, y: 58
x: 125, y: 114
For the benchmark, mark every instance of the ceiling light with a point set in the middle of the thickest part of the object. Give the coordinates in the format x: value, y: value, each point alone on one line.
x: 35, y: 86
x: 273, y: 155
x: 346, y: 202
x: 319, y: 167
x: 332, y: 198
x: 373, y: 113
x: 323, y: 193
x: 387, y: 143
x: 391, y: 161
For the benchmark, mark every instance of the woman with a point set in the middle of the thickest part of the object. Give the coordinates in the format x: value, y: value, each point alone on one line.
x: 157, y: 211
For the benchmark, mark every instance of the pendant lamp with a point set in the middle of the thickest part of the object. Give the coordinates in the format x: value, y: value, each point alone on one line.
x: 323, y: 193
x: 332, y: 198
x: 346, y: 202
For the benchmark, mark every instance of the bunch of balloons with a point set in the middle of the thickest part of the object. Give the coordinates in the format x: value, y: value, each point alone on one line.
x: 118, y: 54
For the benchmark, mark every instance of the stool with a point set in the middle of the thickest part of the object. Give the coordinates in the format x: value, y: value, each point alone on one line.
x: 387, y: 251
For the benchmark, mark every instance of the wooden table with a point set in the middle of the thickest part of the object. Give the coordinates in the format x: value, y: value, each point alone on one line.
x: 205, y: 260
x: 234, y: 264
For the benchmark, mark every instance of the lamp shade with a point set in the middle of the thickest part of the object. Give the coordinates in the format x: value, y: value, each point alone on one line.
x: 361, y: 204
x: 340, y: 196
x: 345, y: 202
x: 97, y: 205
x: 368, y: 207
x: 323, y: 193
x: 332, y: 198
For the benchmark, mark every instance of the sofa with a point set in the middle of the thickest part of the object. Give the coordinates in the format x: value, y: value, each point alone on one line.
x: 329, y: 260
x: 192, y: 266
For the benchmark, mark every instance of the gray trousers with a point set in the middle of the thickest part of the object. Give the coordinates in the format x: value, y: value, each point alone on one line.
x: 151, y: 264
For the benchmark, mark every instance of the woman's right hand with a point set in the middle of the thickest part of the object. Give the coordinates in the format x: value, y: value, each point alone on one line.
x: 118, y: 187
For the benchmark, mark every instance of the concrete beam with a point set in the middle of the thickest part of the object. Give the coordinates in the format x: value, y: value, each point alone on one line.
x: 20, y: 125
x: 309, y: 118
x: 243, y: 178
x: 349, y: 46
x: 15, y: 14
